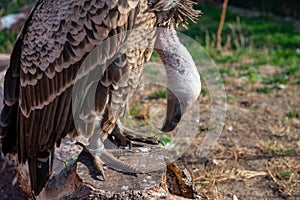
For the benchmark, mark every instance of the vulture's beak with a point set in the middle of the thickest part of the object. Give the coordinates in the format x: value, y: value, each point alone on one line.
x: 174, y: 112
x: 183, y: 79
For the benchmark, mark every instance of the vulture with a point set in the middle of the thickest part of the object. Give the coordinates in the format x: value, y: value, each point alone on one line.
x: 54, y: 42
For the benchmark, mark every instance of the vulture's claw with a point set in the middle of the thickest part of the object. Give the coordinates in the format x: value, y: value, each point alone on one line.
x: 125, y: 135
x: 98, y: 164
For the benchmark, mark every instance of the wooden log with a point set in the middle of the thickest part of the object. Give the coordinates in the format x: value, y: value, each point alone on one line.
x: 76, y: 177
x: 79, y: 179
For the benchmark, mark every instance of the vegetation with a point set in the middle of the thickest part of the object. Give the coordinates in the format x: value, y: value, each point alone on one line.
x: 7, y: 40
x: 250, y: 42
x: 13, y: 6
x: 161, y: 93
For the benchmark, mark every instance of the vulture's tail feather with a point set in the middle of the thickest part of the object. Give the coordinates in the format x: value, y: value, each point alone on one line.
x: 40, y: 170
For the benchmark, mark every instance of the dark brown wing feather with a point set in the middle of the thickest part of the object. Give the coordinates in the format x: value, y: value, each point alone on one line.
x: 44, y: 64
x: 126, y: 72
x: 8, y: 121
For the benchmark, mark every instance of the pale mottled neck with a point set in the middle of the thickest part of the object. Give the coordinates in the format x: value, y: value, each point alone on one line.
x: 183, y: 78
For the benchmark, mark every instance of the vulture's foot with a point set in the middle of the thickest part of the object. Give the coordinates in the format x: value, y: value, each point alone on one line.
x: 103, y: 157
x: 124, y: 136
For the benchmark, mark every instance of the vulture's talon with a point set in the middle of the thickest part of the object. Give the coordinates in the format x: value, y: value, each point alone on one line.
x: 98, y: 164
x: 160, y: 141
x: 97, y: 161
x: 122, y: 133
x: 129, y: 144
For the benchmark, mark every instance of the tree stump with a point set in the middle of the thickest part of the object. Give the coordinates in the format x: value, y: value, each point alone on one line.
x: 76, y: 178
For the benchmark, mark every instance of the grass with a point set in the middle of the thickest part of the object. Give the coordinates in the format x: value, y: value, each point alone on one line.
x: 226, y: 71
x: 7, y: 40
x: 164, y: 138
x: 136, y: 110
x: 251, y: 75
x: 277, y: 149
x: 204, y: 91
x: 264, y: 89
x: 227, y: 98
x: 250, y: 42
x: 261, y: 31
x: 284, y: 174
x: 284, y: 76
x: 293, y: 114
x: 277, y: 79
x: 161, y: 93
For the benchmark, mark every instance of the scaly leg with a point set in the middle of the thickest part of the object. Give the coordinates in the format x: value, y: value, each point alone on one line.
x: 102, y: 156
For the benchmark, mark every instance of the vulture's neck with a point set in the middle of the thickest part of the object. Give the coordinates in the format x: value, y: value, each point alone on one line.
x: 183, y: 79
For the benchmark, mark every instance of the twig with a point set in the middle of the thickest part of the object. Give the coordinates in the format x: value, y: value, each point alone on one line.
x: 221, y: 24
x: 281, y: 187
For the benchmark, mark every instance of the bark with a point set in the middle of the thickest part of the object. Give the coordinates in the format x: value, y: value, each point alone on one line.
x: 76, y: 177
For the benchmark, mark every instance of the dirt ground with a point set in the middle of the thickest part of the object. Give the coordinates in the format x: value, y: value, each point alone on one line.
x: 257, y: 155
x: 9, y: 188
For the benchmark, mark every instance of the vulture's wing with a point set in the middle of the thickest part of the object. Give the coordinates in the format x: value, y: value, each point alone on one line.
x: 54, y: 41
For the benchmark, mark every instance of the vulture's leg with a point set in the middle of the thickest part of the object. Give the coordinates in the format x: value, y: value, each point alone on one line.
x: 96, y: 148
x: 102, y: 156
x: 125, y: 135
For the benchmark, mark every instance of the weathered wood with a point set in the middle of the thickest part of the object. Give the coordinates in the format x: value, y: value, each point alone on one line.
x: 77, y: 178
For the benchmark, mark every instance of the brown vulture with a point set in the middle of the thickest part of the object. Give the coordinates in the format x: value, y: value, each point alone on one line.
x: 53, y: 43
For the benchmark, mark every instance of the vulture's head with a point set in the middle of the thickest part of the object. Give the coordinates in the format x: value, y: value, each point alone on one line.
x: 183, y: 80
